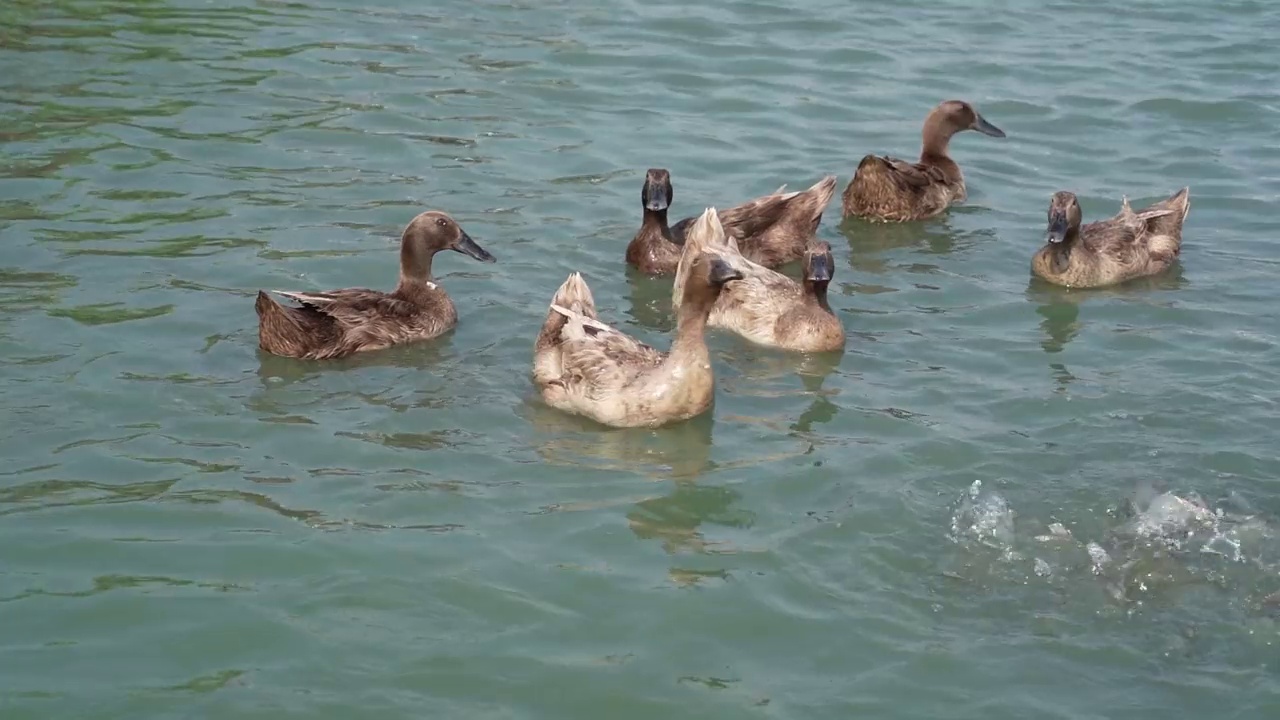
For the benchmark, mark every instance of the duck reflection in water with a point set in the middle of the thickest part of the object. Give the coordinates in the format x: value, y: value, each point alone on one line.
x: 650, y: 301
x: 674, y: 519
x: 680, y: 451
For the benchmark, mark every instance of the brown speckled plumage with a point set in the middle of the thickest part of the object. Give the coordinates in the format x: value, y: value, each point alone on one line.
x: 1127, y: 246
x: 337, y: 323
x: 765, y: 306
x: 772, y: 230
x: 585, y: 367
x: 886, y: 189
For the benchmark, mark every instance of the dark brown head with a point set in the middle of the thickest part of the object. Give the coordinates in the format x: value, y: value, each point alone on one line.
x: 1064, y: 217
x: 434, y: 231
x: 657, y: 193
x: 818, y: 264
x: 953, y: 116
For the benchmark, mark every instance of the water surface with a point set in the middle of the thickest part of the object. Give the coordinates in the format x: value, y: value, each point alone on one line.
x: 190, y: 528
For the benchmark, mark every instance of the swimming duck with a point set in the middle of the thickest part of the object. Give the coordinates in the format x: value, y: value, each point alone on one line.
x: 338, y: 323
x: 886, y: 189
x: 585, y: 367
x: 1106, y: 252
x: 772, y: 230
x: 765, y: 306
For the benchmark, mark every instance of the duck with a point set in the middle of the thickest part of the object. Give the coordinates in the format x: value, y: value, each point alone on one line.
x: 772, y: 230
x: 765, y: 306
x: 886, y: 189
x: 585, y: 367
x: 1107, y: 252
x: 339, y: 323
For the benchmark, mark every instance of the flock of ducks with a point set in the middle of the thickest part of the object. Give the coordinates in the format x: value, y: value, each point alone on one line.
x: 724, y: 266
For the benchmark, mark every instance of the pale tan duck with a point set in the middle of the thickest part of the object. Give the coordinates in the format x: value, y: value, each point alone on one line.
x: 1127, y: 246
x: 772, y: 230
x: 886, y: 189
x: 765, y: 306
x: 338, y: 323
x: 585, y: 367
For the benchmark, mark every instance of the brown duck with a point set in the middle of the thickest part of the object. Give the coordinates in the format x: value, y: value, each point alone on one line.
x: 585, y: 367
x: 338, y: 323
x: 886, y: 189
x: 765, y: 306
x: 772, y: 230
x: 1127, y: 246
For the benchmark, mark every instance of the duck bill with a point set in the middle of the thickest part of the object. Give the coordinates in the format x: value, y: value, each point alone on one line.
x: 1057, y: 228
x: 722, y: 272
x: 467, y: 246
x: 986, y: 128
x: 819, y: 270
x: 656, y: 197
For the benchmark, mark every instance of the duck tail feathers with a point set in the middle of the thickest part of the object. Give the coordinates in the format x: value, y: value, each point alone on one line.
x: 575, y: 295
x: 279, y: 330
x: 822, y: 191
x: 708, y: 232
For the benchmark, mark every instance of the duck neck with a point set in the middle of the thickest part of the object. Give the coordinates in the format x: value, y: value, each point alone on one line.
x: 415, y: 264
x: 691, y: 325
x: 815, y: 292
x: 655, y: 223
x: 935, y: 139
x: 1060, y: 253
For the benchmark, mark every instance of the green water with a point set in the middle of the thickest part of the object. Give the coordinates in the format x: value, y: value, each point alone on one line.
x: 192, y: 529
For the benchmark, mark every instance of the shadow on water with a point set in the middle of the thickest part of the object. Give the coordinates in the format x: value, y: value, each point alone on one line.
x: 673, y: 519
x: 868, y: 241
x: 1060, y: 306
x: 813, y: 374
x: 682, y: 450
x: 650, y: 301
x: 757, y: 363
x: 285, y: 385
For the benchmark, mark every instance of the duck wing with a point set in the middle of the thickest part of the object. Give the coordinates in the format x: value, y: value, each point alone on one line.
x: 599, y: 359
x: 755, y: 216
x: 907, y: 175
x: 1120, y: 238
x: 352, y: 307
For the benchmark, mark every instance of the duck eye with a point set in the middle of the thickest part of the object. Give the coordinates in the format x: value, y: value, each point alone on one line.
x: 441, y: 222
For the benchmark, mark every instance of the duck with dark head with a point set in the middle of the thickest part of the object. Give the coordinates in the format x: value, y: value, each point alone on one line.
x: 338, y: 323
x: 585, y: 367
x: 886, y: 189
x: 1106, y: 252
x: 772, y: 230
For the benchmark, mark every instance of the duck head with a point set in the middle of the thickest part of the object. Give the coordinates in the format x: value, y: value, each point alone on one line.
x: 818, y: 264
x: 951, y: 117
x: 428, y: 234
x: 657, y: 193
x: 1064, y: 218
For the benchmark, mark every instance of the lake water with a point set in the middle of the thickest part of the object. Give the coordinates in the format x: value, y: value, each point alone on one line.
x: 1003, y: 500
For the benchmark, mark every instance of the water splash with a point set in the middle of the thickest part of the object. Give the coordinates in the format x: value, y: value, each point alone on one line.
x: 984, y: 516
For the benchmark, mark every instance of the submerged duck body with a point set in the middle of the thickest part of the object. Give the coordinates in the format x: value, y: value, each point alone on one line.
x: 887, y: 189
x: 338, y: 323
x: 1127, y: 246
x: 585, y: 367
x: 771, y: 230
x: 765, y: 306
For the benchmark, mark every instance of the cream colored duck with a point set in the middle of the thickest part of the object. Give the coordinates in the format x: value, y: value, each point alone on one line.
x: 765, y: 306
x: 1127, y: 246
x: 886, y: 189
x: 585, y: 367
x: 338, y: 323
